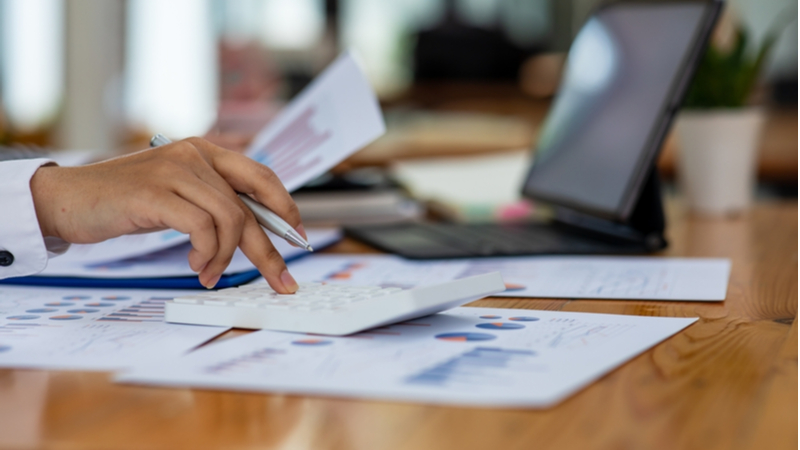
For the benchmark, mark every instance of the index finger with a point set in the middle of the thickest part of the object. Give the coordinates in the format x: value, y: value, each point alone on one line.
x: 251, y: 177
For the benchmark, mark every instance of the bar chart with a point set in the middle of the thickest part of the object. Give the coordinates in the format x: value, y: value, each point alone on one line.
x: 149, y: 310
x: 481, y: 366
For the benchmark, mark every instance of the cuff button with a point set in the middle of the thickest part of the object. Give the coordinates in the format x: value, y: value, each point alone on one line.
x: 6, y: 258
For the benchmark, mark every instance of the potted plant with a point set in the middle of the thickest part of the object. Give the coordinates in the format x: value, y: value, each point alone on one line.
x: 719, y: 127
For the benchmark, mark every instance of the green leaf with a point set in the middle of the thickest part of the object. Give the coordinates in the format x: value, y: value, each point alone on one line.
x: 725, y: 79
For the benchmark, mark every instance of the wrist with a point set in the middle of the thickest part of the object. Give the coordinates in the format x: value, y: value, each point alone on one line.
x: 43, y: 193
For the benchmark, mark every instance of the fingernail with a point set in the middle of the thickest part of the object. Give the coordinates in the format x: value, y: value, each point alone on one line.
x: 213, y: 282
x: 300, y: 229
x: 288, y: 282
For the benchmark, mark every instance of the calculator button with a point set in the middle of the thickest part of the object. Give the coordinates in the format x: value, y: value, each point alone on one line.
x: 247, y: 304
x: 218, y: 302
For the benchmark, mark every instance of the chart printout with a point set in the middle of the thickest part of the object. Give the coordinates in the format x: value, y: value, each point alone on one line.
x: 601, y: 277
x: 466, y: 356
x: 335, y: 116
x: 91, y: 329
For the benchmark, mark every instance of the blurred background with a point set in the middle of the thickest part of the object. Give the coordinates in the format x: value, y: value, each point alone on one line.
x: 455, y: 77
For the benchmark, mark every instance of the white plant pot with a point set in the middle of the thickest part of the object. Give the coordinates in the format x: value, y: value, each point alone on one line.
x: 717, y: 158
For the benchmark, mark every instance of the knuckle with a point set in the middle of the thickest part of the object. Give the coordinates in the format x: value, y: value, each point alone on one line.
x: 233, y: 218
x: 238, y: 217
x: 204, y: 221
x: 250, y: 219
x: 202, y: 146
x: 185, y: 151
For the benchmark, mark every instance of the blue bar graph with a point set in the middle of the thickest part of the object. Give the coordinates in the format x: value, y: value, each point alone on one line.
x: 478, y: 366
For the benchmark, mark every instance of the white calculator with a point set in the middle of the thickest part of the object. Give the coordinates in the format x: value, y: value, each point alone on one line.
x: 332, y: 309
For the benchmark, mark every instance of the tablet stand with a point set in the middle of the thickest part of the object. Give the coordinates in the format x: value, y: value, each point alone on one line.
x: 645, y: 225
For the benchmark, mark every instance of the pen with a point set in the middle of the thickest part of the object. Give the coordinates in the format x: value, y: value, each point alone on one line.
x: 264, y: 216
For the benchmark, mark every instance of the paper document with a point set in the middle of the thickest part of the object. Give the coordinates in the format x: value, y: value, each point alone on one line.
x: 123, y: 247
x: 173, y: 262
x: 91, y: 329
x: 466, y: 356
x: 451, y: 180
x: 335, y: 116
x: 609, y: 277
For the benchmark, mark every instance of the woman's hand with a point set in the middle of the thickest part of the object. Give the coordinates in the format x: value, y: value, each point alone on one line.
x: 189, y: 186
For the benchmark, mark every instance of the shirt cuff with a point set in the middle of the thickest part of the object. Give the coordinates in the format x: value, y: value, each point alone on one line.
x: 24, y: 250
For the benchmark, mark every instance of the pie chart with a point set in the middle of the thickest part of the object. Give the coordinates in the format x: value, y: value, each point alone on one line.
x: 59, y: 304
x: 515, y: 287
x: 99, y: 304
x: 23, y: 317
x: 116, y: 297
x: 41, y: 310
x: 524, y: 319
x: 65, y: 317
x: 83, y: 311
x: 76, y: 297
x: 464, y: 337
x: 490, y: 317
x: 312, y: 342
x: 500, y: 326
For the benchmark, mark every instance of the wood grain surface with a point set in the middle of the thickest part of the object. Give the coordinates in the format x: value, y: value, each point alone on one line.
x: 727, y: 382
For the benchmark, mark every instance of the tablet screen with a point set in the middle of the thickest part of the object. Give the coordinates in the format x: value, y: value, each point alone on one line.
x: 618, y: 93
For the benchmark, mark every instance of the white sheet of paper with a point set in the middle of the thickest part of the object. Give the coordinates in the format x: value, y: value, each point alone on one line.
x: 466, y: 356
x: 123, y: 247
x: 91, y: 329
x: 451, y: 180
x: 600, y: 277
x: 335, y: 116
x: 173, y: 262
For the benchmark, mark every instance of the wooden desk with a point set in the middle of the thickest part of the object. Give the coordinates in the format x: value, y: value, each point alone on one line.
x: 727, y: 382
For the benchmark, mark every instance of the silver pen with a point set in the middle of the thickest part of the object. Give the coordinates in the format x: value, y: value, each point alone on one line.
x: 264, y: 216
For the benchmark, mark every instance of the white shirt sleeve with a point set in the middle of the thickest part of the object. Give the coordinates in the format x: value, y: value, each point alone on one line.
x: 23, y: 250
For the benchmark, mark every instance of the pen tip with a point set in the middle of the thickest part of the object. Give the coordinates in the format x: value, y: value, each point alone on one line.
x: 310, y: 248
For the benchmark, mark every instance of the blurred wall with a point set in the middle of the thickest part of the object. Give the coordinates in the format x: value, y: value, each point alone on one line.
x: 91, y: 117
